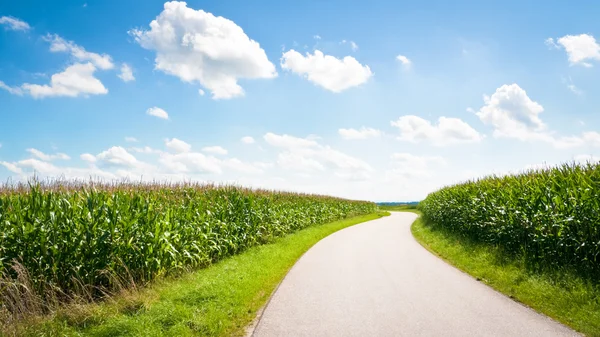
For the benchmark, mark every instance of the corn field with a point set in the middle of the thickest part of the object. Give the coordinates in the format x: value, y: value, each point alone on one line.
x: 551, y: 217
x: 66, y: 236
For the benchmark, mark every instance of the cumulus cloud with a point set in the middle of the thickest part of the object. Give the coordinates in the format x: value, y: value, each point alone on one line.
x: 126, y: 73
x: 247, y: 140
x: 215, y: 150
x: 48, y: 157
x: 177, y: 145
x: 58, y: 44
x: 327, y: 71
x: 157, y: 112
x: 447, y: 131
x: 88, y: 157
x: 189, y: 162
x: 76, y: 80
x: 363, y: 133
x: 12, y: 23
x: 404, y: 60
x: 117, y: 156
x: 580, y: 48
x: 512, y: 113
x: 307, y: 155
x: 197, y: 46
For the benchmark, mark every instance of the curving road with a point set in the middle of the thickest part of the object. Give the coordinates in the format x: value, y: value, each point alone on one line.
x: 374, y: 279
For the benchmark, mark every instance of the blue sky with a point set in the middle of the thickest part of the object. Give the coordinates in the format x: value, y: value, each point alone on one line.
x: 385, y: 101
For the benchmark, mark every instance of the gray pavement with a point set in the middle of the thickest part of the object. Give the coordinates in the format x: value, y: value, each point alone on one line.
x: 374, y: 279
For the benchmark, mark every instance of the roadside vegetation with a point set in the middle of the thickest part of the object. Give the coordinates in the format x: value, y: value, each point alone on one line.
x: 70, y: 242
x: 399, y: 207
x: 221, y: 300
x: 534, y: 236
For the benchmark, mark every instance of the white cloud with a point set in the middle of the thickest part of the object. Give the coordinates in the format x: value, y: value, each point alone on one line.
x: 177, y: 145
x: 406, y: 165
x: 447, y: 131
x: 126, y: 73
x: 588, y: 138
x: 77, y: 79
x: 157, y: 112
x: 58, y: 44
x: 13, y: 23
x: 574, y: 89
x: 551, y: 44
x: 580, y: 48
x: 190, y: 162
x: 353, y: 44
x: 197, y: 46
x: 512, y: 113
x: 363, y: 133
x: 131, y: 139
x: 48, y: 157
x: 404, y: 60
x: 117, y: 156
x: 145, y: 149
x: 327, y: 71
x: 201, y: 92
x: 317, y: 37
x: 298, y: 161
x: 247, y: 140
x: 12, y: 167
x: 12, y: 90
x: 287, y: 141
x: 240, y: 166
x: 586, y: 158
x: 215, y: 150
x: 306, y: 155
x: 90, y: 158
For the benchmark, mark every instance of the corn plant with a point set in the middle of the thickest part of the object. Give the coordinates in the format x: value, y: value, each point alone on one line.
x: 67, y: 235
x: 551, y: 217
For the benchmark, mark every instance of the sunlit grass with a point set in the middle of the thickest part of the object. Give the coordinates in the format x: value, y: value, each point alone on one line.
x: 565, y: 297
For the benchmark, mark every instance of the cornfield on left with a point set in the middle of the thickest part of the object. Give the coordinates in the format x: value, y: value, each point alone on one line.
x: 69, y: 236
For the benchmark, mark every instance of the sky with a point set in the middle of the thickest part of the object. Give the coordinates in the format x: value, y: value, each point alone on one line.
x: 381, y: 101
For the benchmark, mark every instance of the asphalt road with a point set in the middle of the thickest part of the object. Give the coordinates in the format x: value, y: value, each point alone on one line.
x: 374, y: 279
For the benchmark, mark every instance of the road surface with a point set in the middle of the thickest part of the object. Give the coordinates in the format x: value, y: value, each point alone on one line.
x: 374, y: 279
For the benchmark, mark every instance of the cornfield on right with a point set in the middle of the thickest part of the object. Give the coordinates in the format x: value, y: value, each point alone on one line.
x: 550, y: 217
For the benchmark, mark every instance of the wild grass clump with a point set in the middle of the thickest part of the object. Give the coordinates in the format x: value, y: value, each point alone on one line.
x: 64, y: 240
x: 550, y: 217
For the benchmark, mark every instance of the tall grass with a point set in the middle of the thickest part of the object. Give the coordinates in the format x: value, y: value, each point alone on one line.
x: 551, y: 217
x: 62, y: 239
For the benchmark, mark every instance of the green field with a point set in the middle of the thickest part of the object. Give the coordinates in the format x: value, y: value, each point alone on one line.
x: 69, y: 242
x: 220, y: 300
x: 534, y: 236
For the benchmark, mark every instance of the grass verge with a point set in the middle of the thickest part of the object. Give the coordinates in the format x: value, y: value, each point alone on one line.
x: 562, y: 296
x: 220, y: 300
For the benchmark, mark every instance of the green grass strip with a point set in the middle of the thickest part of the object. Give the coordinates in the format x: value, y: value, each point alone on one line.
x: 562, y: 296
x: 221, y: 300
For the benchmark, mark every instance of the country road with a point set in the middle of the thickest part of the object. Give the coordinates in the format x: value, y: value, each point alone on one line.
x: 374, y: 279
